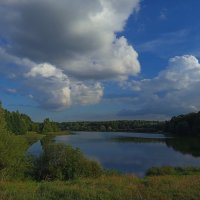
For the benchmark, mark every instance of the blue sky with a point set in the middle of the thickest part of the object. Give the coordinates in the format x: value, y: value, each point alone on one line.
x: 105, y: 60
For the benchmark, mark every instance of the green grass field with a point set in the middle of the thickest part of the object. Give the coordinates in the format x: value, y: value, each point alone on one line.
x: 106, y: 188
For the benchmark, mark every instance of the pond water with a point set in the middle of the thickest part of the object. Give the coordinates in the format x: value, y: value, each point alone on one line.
x: 131, y: 153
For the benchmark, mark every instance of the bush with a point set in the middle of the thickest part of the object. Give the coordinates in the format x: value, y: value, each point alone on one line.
x: 64, y: 163
x: 160, y: 171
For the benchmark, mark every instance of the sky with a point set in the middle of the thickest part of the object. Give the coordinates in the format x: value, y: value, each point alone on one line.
x: 100, y: 59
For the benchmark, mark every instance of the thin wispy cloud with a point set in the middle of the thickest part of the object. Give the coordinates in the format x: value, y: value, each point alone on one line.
x: 164, y: 44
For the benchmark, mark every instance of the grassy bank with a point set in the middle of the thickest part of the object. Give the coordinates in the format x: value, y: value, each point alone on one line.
x: 106, y: 188
x: 57, y: 133
x: 175, y: 171
x: 32, y: 137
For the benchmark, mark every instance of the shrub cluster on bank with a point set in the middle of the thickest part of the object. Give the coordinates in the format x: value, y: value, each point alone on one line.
x: 60, y: 162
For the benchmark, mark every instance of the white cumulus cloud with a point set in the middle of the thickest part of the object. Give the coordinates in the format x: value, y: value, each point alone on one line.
x: 175, y: 90
x: 61, y: 51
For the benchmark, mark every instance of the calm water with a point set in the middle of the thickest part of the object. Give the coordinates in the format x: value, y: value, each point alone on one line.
x: 132, y: 152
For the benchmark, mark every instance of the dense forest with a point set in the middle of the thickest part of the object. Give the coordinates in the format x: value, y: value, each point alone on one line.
x: 188, y: 124
x: 21, y: 124
x: 125, y: 125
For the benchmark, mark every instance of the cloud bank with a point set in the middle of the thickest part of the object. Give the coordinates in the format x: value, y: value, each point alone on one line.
x: 174, y: 91
x: 62, y: 51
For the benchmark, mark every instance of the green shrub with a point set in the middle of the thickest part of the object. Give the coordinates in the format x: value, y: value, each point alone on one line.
x: 157, y: 171
x: 64, y: 163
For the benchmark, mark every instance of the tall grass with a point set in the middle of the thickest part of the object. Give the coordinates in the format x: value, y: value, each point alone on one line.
x: 106, y: 188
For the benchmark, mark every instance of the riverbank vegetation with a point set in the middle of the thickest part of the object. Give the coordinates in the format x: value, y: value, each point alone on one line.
x: 172, y: 171
x: 31, y: 137
x: 61, y: 162
x: 57, y: 162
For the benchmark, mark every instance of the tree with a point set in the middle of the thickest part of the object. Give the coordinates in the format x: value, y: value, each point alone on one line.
x: 182, y: 128
x: 49, y: 126
x: 184, y: 124
x: 12, y: 150
x: 17, y: 123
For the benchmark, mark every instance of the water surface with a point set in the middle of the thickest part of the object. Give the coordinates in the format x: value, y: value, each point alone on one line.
x: 132, y: 153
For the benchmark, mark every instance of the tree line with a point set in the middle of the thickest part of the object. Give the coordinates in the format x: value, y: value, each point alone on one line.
x: 119, y: 125
x: 20, y: 124
x: 188, y: 124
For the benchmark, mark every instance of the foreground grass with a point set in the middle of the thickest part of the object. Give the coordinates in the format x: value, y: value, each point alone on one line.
x: 106, y: 188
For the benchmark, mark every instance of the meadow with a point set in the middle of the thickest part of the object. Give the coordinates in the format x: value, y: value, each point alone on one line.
x: 105, y: 188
